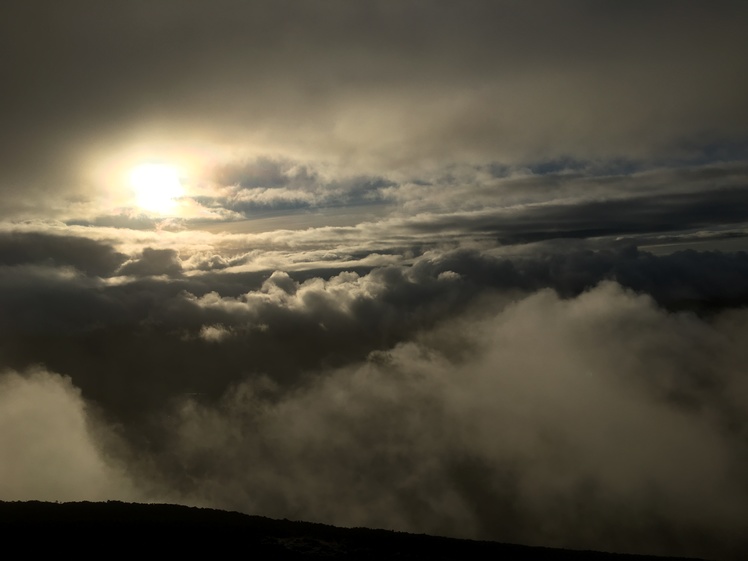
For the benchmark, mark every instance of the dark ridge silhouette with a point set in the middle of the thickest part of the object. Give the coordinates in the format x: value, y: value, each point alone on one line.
x: 115, y: 527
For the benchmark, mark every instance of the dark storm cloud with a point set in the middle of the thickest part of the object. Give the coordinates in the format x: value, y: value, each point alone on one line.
x: 45, y: 300
x: 30, y: 248
x: 520, y: 207
x: 664, y: 213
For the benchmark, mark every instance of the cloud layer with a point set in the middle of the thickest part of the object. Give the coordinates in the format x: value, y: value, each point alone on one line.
x: 471, y: 269
x: 510, y: 397
x: 379, y: 89
x: 565, y: 422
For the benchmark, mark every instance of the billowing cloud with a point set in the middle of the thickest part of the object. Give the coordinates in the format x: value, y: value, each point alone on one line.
x: 467, y: 392
x: 597, y: 421
x: 153, y: 262
x: 49, y: 445
x: 565, y: 422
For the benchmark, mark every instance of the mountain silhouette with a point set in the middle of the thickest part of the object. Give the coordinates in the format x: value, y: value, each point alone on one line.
x: 115, y: 527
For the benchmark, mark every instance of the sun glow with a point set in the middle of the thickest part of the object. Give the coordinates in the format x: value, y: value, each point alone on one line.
x: 157, y: 187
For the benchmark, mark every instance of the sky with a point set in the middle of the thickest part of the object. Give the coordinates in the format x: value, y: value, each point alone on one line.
x: 474, y: 269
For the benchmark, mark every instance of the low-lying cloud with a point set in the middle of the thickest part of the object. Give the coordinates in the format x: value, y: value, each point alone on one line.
x: 578, y: 398
x: 597, y: 421
x: 51, y: 446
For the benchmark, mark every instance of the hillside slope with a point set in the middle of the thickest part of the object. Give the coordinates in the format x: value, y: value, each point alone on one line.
x: 84, y: 526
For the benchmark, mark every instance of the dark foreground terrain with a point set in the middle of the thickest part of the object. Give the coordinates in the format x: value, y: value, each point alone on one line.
x: 87, y: 528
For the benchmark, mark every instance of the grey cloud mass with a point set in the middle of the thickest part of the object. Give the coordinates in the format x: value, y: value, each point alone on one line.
x: 623, y: 396
x: 388, y: 84
x: 475, y: 269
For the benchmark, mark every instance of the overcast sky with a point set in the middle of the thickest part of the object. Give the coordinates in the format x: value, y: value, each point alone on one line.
x: 473, y: 268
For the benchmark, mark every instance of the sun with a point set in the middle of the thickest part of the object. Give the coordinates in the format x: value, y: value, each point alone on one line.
x: 157, y: 187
